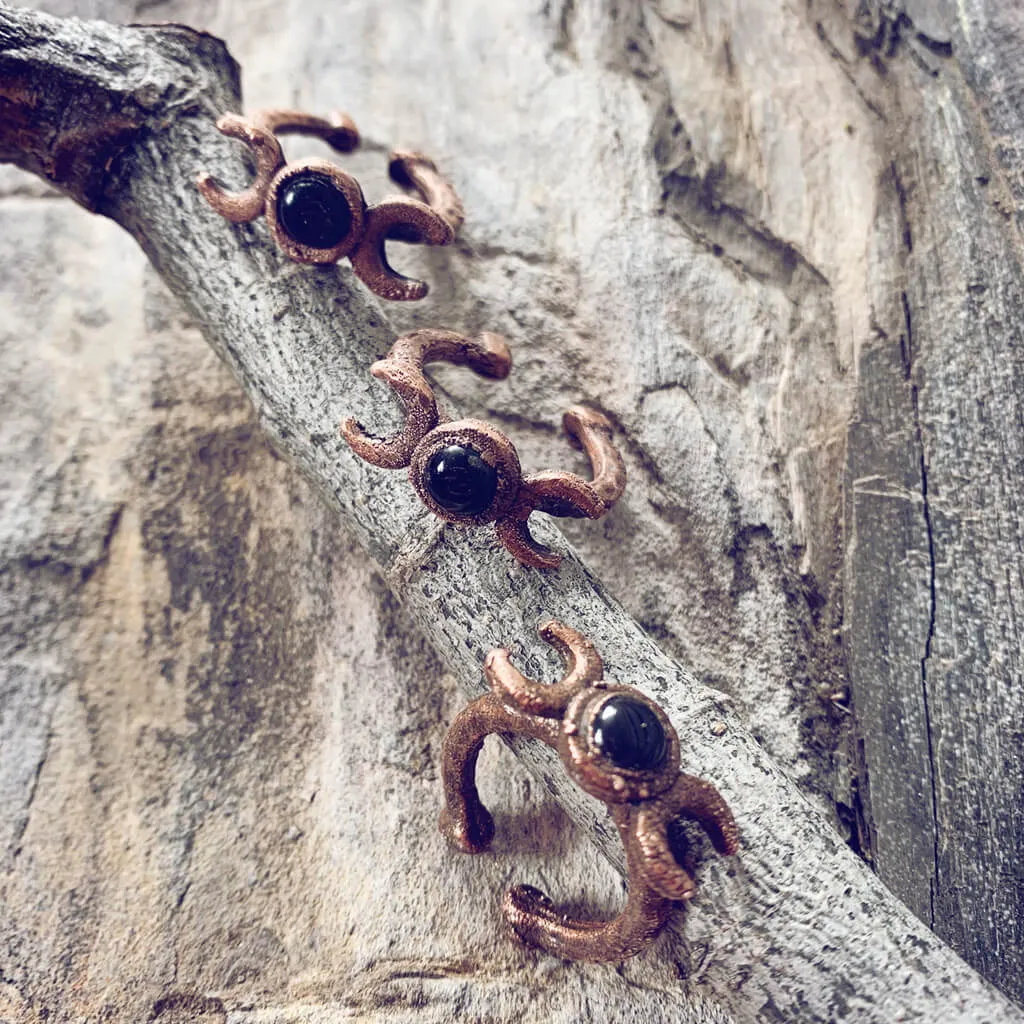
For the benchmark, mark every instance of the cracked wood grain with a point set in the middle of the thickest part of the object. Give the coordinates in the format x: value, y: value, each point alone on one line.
x: 799, y: 929
x: 935, y: 553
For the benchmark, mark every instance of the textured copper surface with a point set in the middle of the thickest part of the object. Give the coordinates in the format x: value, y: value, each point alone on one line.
x: 417, y: 172
x: 338, y: 130
x: 433, y: 219
x: 556, y: 493
x: 241, y: 207
x: 644, y: 804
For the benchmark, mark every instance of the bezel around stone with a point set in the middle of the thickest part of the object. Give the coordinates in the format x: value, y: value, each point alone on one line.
x: 491, y: 445
x: 345, y: 184
x: 598, y: 774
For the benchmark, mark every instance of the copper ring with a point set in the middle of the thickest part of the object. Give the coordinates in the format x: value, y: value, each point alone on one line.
x: 363, y: 231
x: 506, y: 497
x: 637, y: 776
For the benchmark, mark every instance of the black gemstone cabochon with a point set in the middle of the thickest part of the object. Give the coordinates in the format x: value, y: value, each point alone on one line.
x: 314, y: 211
x: 460, y: 481
x: 630, y: 734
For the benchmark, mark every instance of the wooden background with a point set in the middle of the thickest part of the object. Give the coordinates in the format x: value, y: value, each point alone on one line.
x: 779, y: 243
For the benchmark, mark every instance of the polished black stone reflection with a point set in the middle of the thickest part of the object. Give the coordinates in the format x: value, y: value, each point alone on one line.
x: 313, y: 210
x: 460, y: 481
x: 629, y: 734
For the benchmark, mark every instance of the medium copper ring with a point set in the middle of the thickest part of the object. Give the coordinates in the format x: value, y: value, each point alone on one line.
x: 646, y: 806
x: 433, y: 221
x: 516, y: 497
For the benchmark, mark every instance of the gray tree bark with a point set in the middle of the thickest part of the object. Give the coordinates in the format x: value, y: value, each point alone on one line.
x: 779, y: 246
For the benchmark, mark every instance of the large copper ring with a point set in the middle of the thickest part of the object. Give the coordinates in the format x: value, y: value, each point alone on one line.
x: 620, y: 747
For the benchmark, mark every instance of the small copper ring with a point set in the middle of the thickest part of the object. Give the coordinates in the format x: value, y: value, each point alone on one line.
x: 349, y: 188
x: 433, y: 221
x: 596, y: 773
x: 491, y: 445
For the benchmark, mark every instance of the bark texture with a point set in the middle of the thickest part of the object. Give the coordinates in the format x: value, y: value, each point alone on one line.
x: 779, y: 245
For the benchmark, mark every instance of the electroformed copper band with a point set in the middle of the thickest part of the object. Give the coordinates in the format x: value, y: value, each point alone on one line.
x: 635, y: 771
x: 361, y: 232
x: 424, y: 440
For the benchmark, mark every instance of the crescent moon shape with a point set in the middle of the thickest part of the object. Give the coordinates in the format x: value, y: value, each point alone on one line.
x: 514, y: 532
x: 583, y: 665
x: 241, y: 207
x: 592, y: 431
x: 486, y: 354
x: 421, y: 417
x: 406, y: 220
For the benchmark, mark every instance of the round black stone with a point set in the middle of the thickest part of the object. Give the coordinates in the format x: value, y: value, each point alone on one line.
x: 314, y: 211
x: 629, y: 734
x: 460, y: 481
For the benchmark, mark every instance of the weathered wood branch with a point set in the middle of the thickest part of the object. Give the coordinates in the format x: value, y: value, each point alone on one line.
x: 798, y: 927
x: 934, y: 547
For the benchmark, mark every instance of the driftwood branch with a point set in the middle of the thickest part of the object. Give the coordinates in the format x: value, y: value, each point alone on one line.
x: 121, y: 120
